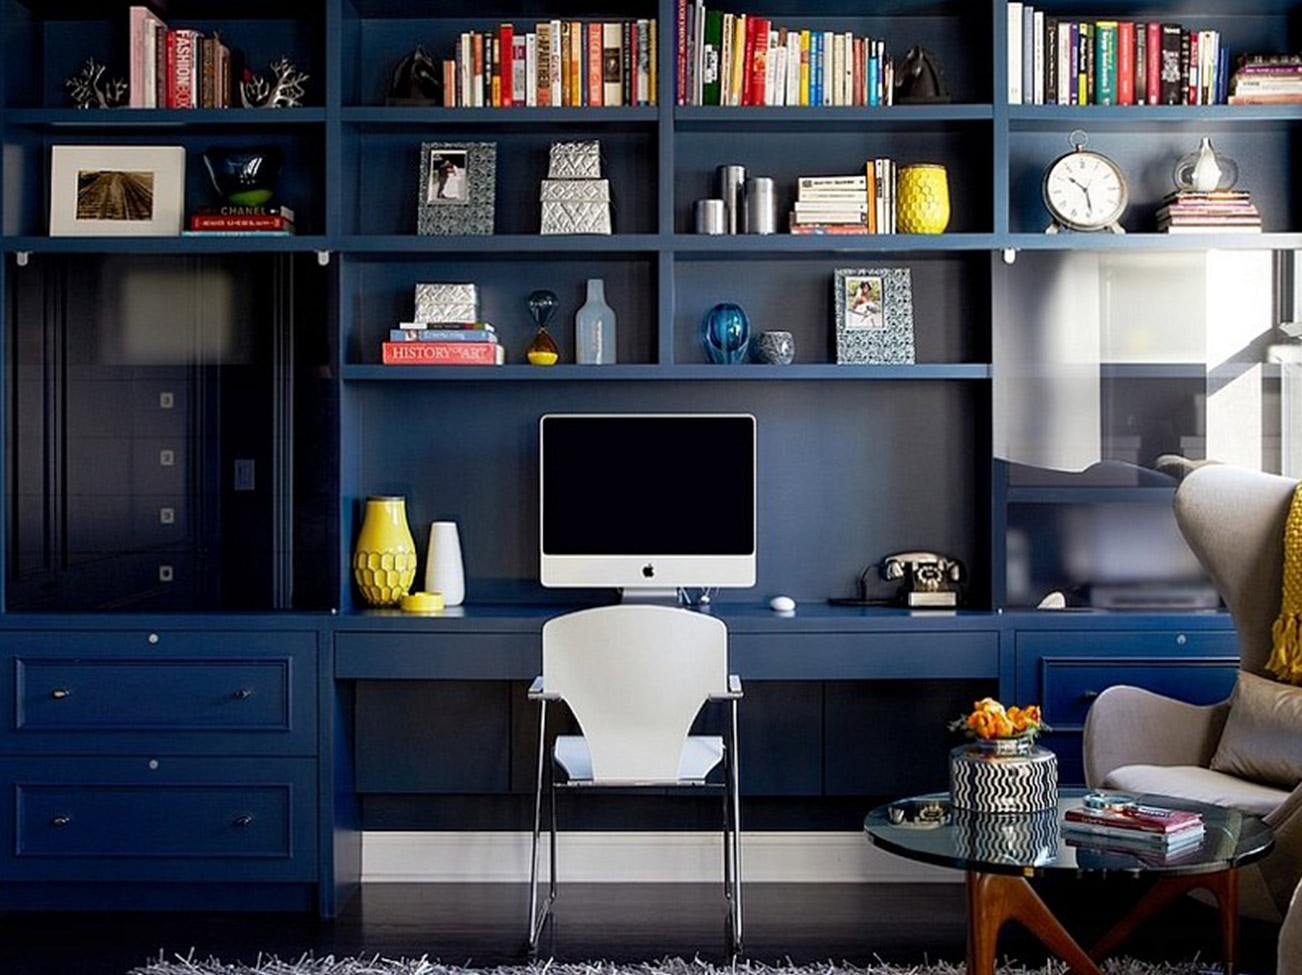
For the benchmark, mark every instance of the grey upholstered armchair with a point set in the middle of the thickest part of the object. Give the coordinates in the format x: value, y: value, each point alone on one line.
x: 1245, y: 752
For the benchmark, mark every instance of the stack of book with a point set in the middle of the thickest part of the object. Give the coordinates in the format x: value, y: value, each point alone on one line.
x: 1135, y: 826
x: 1220, y: 211
x: 1275, y: 80
x: 233, y: 220
x: 443, y: 344
x: 830, y: 204
x: 852, y: 204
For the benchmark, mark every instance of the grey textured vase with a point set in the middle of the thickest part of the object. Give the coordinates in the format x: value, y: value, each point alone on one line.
x: 775, y: 348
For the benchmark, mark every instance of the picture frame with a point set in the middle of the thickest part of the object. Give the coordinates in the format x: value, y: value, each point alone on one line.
x: 117, y: 191
x: 458, y: 188
x: 874, y: 315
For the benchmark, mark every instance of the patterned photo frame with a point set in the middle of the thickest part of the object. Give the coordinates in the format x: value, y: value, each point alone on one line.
x: 458, y: 188
x: 874, y: 315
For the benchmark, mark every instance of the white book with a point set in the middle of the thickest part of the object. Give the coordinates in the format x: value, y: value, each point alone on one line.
x: 847, y: 71
x: 531, y: 69
x: 612, y: 40
x: 1014, y: 52
x: 1066, y: 70
x: 558, y: 92
x: 776, y: 71
x: 828, y: 45
x: 698, y: 75
x: 793, y: 67
x: 1037, y: 59
x: 838, y: 68
x: 725, y: 59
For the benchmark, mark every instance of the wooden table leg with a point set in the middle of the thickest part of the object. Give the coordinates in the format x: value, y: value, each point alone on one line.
x: 992, y: 900
x: 1223, y: 885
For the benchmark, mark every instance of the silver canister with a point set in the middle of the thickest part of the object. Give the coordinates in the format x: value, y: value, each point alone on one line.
x: 731, y: 179
x: 709, y: 217
x: 761, y: 213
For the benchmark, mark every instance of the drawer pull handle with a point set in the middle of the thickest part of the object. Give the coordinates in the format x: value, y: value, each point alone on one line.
x: 1088, y: 695
x: 243, y: 694
x: 243, y: 821
x: 60, y: 821
x: 59, y: 693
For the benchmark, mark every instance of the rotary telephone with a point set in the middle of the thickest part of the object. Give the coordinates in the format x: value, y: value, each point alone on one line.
x: 928, y: 578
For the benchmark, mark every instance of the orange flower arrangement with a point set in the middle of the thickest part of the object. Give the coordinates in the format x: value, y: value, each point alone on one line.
x: 991, y: 720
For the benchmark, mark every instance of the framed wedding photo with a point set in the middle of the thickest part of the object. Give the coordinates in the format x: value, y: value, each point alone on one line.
x: 458, y: 188
x: 874, y: 315
x: 117, y: 191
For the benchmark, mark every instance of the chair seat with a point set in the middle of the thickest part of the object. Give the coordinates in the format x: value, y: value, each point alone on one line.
x: 1199, y: 784
x: 701, y: 755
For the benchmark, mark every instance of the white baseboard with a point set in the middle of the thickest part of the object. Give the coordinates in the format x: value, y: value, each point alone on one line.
x: 615, y: 857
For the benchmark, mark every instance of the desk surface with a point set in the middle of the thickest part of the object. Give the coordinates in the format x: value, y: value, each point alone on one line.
x: 933, y: 831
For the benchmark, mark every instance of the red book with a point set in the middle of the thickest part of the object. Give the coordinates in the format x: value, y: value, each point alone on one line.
x: 440, y: 353
x: 1153, y: 63
x: 505, y: 40
x: 594, y: 63
x: 182, y: 63
x: 218, y: 221
x: 757, y: 57
x: 1125, y: 62
x: 680, y: 60
x: 1142, y: 819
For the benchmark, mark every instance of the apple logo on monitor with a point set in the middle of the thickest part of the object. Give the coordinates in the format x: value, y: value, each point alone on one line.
x: 647, y: 500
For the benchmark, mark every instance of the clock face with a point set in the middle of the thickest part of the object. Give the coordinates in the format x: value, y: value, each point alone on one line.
x: 1085, y: 191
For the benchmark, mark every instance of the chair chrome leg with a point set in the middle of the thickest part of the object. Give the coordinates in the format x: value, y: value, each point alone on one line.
x: 734, y: 783
x: 537, y: 918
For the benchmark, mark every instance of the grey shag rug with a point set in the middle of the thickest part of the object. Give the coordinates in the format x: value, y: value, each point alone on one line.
x: 376, y: 965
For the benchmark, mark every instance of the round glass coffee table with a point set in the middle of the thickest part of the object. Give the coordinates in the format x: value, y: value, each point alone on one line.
x: 1001, y: 851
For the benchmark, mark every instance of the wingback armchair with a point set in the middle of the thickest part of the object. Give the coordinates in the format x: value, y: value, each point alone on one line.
x: 1244, y: 752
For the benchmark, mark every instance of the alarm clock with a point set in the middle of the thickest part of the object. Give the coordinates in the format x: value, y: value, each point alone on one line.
x: 1084, y: 190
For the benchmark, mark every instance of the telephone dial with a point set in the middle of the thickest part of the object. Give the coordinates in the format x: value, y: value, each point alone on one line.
x: 927, y: 578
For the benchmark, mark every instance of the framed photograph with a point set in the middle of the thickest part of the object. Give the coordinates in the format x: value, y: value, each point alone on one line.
x: 458, y: 186
x: 116, y: 191
x: 874, y: 314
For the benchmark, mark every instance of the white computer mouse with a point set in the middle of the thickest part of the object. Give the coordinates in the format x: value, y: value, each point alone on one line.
x: 782, y: 604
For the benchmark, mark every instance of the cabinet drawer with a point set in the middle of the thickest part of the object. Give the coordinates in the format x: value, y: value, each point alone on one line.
x: 1069, y: 686
x: 864, y: 656
x: 159, y: 819
x: 438, y: 656
x: 81, y: 692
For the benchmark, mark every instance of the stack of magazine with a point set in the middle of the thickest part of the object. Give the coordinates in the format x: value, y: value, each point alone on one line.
x: 1131, y: 825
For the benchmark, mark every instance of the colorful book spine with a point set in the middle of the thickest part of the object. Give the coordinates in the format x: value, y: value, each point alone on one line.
x: 441, y: 335
x: 440, y: 353
x: 205, y: 221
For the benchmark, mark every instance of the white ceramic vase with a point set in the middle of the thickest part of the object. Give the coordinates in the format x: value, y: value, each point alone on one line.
x: 444, y: 571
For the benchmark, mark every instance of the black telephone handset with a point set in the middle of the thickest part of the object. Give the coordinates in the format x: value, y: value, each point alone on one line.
x: 929, y: 579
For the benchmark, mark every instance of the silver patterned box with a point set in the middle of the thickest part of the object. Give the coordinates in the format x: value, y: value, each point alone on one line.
x: 575, y: 206
x: 446, y: 303
x: 575, y: 160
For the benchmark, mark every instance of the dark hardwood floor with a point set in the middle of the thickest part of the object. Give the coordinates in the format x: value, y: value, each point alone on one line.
x: 483, y: 925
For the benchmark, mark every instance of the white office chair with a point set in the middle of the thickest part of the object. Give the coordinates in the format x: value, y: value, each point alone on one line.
x: 635, y: 677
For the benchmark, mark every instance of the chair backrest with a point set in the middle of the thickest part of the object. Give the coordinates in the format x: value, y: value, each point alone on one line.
x: 635, y: 677
x: 1233, y: 519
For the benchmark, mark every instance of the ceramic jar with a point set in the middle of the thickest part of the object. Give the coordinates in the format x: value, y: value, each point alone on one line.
x: 922, y: 199
x: 384, y: 559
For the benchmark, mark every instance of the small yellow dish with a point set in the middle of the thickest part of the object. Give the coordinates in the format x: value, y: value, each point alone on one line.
x: 538, y: 357
x: 422, y: 602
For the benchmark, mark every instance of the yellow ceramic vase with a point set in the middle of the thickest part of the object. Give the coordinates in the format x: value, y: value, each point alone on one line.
x: 384, y: 561
x: 921, y: 199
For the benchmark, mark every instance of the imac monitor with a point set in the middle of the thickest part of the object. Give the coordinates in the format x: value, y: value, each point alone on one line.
x: 647, y: 501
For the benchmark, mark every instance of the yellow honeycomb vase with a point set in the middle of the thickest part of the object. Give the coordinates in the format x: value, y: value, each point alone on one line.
x: 921, y: 199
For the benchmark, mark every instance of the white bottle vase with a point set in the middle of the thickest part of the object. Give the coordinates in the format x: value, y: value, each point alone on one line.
x: 444, y: 571
x: 594, y: 327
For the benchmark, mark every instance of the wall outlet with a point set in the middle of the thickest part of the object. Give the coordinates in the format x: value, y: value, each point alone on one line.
x: 244, y: 474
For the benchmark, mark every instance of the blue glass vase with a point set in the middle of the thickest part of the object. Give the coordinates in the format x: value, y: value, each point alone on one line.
x: 725, y: 333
